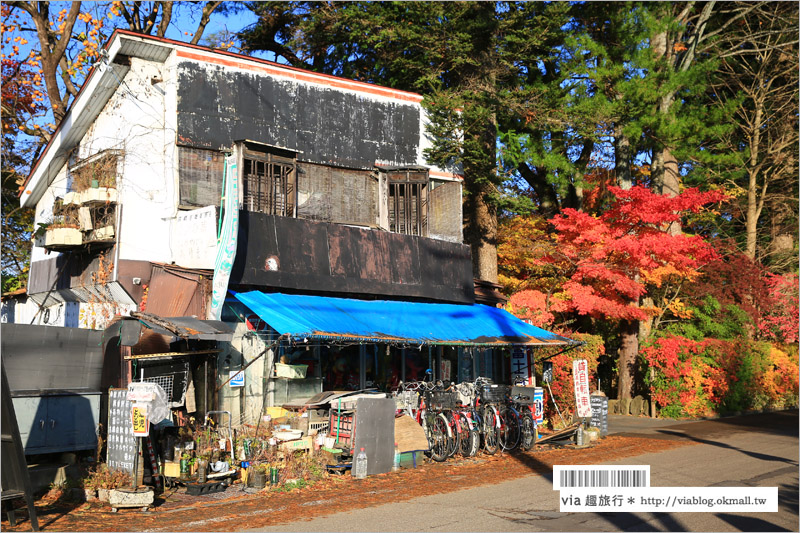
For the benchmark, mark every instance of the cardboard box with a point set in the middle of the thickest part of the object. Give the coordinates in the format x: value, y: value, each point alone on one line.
x: 172, y: 468
x: 306, y: 443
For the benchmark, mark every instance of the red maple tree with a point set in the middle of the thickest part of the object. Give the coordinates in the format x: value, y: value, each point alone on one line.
x: 617, y: 257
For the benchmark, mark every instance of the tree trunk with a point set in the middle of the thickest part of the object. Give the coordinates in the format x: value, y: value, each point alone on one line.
x: 622, y: 158
x: 480, y: 222
x: 629, y: 349
x: 548, y: 201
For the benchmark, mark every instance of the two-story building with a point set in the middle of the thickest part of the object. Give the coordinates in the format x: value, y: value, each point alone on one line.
x: 298, y: 207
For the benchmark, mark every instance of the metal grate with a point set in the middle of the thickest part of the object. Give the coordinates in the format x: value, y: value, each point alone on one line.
x: 268, y: 187
x: 408, y: 203
x: 164, y: 381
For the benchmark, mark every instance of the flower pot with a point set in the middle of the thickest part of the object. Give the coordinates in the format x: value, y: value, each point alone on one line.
x: 102, y: 495
x: 91, y: 494
x: 63, y: 237
x: 100, y: 195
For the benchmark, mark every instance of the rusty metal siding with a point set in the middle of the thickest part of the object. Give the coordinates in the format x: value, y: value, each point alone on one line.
x: 333, y: 258
x: 177, y: 293
x: 218, y: 106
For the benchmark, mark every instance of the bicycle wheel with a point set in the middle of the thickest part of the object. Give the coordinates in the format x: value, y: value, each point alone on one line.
x: 454, y: 437
x: 490, y: 432
x: 527, y: 436
x: 437, y: 438
x: 509, y: 429
x: 470, y: 438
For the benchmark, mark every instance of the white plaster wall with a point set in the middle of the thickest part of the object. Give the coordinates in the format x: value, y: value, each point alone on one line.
x: 134, y: 121
x: 245, y: 405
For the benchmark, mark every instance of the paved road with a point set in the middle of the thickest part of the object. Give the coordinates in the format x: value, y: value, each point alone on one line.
x: 754, y: 450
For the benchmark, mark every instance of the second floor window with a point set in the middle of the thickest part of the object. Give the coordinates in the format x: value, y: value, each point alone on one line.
x: 408, y: 202
x: 268, y: 182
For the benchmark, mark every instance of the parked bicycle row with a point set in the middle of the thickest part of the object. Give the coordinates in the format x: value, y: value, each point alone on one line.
x: 470, y: 416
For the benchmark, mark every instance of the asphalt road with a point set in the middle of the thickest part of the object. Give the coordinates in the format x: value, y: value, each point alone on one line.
x: 755, y: 450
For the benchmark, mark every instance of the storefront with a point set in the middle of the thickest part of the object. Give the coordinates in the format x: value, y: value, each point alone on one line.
x: 347, y: 344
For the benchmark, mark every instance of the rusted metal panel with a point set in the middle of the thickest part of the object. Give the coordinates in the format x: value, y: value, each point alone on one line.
x: 317, y: 256
x: 177, y: 292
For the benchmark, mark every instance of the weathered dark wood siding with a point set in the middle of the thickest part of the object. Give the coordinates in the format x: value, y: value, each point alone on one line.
x: 332, y: 258
x: 218, y: 106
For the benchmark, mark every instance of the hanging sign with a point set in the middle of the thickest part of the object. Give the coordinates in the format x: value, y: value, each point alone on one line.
x: 141, y: 425
x: 580, y: 374
x: 227, y: 240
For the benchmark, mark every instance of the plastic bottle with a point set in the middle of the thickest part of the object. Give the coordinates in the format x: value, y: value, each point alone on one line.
x: 360, y: 465
x: 396, y: 464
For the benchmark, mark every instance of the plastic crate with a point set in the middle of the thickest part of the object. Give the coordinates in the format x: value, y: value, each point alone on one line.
x: 343, y: 429
x: 494, y: 393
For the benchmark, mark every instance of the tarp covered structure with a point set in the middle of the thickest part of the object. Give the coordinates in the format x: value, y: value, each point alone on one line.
x: 304, y: 317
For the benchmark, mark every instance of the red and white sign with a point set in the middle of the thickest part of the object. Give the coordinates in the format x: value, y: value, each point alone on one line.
x: 580, y: 373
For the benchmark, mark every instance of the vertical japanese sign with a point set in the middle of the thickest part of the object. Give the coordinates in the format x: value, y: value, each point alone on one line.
x: 226, y: 242
x: 521, y: 368
x: 121, y: 443
x: 580, y: 373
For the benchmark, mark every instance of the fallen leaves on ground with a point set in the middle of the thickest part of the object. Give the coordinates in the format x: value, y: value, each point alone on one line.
x: 235, y: 509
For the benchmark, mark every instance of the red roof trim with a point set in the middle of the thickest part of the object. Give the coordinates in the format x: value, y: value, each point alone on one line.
x: 304, y: 75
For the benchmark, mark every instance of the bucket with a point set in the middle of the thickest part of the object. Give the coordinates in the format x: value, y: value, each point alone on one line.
x: 257, y: 478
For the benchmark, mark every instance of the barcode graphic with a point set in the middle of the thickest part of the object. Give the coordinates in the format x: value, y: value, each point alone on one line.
x: 602, y: 478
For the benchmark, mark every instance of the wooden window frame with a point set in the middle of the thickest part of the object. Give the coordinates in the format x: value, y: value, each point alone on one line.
x: 408, y: 202
x: 269, y: 181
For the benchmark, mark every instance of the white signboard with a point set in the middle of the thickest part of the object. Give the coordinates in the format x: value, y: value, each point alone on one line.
x: 580, y: 373
x: 237, y: 378
x: 141, y: 391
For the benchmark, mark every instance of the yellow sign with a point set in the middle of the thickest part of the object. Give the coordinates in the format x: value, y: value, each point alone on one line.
x: 141, y: 426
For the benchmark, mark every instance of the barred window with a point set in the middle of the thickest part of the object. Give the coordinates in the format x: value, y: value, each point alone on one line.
x: 408, y: 202
x: 268, y: 184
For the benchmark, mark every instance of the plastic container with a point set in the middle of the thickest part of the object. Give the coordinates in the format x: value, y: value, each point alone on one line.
x: 360, y: 465
x: 396, y: 464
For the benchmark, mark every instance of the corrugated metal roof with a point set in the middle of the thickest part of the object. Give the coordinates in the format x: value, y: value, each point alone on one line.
x: 341, y: 319
x: 186, y: 327
x: 112, y: 291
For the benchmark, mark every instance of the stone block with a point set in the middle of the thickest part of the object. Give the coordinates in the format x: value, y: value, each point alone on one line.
x: 142, y: 497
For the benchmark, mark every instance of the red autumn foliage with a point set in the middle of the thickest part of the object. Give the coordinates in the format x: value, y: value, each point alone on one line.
x: 616, y: 255
x: 780, y: 322
x: 562, y: 385
x: 699, y: 378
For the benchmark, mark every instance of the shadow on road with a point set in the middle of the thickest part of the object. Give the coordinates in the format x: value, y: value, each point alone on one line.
x: 749, y: 523
x: 754, y: 455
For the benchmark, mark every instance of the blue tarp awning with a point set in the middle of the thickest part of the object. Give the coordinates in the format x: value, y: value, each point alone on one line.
x: 319, y: 317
